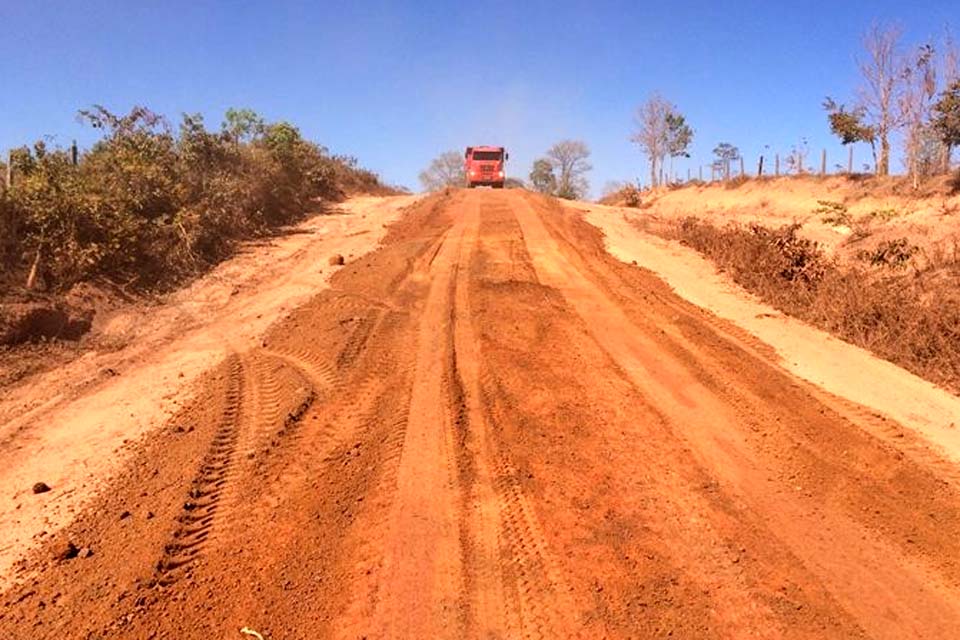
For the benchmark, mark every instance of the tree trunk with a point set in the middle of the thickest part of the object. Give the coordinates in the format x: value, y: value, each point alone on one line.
x: 32, y: 277
x: 883, y: 166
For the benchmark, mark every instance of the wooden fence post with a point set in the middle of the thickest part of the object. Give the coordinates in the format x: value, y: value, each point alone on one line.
x: 742, y: 171
x: 760, y: 168
x: 850, y: 161
x: 777, y: 165
x: 701, y: 173
x: 823, y: 163
x: 73, y: 153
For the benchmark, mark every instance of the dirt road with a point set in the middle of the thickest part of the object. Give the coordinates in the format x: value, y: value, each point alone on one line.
x: 490, y: 428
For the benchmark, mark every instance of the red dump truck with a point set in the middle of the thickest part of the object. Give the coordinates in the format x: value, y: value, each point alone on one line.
x: 484, y: 166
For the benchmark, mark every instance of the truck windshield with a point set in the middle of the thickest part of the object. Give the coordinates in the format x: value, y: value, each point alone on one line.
x: 487, y: 155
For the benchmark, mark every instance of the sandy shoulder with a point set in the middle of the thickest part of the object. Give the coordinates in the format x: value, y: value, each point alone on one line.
x: 69, y: 432
x: 834, y: 365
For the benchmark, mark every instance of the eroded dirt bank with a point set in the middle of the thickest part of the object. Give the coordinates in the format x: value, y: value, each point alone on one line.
x: 491, y: 428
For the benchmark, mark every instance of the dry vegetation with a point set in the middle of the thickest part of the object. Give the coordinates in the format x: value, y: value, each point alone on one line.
x: 902, y: 304
x: 147, y: 206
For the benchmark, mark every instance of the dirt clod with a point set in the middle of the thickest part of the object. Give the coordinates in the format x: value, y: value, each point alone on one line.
x: 66, y: 551
x: 336, y: 260
x: 41, y: 487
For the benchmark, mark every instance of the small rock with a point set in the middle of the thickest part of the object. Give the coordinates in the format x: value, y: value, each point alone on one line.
x: 336, y: 260
x: 125, y: 515
x: 149, y: 515
x: 66, y: 551
x: 41, y: 487
x: 85, y: 552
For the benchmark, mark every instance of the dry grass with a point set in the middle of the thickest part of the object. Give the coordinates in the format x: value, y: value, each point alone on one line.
x: 905, y: 308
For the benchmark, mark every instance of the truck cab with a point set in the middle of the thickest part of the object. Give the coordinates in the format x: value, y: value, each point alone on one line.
x: 484, y: 166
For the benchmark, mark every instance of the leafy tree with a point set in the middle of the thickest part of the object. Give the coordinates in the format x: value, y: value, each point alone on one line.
x: 849, y: 126
x: 446, y: 170
x: 542, y: 177
x: 679, y: 136
x: 946, y: 115
x: 569, y: 160
x: 242, y: 125
x: 725, y: 153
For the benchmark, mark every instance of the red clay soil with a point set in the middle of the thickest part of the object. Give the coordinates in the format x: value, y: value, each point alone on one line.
x: 489, y: 428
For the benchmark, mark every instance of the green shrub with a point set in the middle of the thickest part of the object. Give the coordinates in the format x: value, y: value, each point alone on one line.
x: 145, y: 206
x: 833, y: 213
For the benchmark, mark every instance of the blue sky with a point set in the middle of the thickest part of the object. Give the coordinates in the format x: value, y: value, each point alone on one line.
x: 395, y: 83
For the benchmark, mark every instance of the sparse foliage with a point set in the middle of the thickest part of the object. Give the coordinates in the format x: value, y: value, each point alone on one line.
x: 725, y: 153
x: 894, y: 254
x: 797, y: 158
x: 571, y: 165
x: 881, y: 71
x: 916, y: 99
x: 661, y: 132
x: 242, y: 125
x: 542, y: 177
x: 833, y: 213
x: 909, y: 318
x: 446, y: 170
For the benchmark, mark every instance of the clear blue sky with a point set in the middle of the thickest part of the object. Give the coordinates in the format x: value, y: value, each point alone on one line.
x: 395, y: 83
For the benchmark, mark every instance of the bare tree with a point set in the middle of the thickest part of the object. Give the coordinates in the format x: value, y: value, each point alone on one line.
x: 950, y: 74
x: 916, y: 99
x: 661, y: 132
x: 446, y: 170
x: 569, y: 160
x: 796, y: 159
x: 882, y: 84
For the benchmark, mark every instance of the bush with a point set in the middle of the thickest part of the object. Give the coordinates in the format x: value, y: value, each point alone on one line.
x: 895, y: 254
x: 833, y: 213
x: 145, y: 206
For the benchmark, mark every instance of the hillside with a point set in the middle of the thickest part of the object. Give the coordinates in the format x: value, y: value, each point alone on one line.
x: 878, y: 209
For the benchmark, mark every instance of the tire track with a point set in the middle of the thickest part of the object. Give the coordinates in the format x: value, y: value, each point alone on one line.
x: 203, y: 500
x: 421, y: 588
x: 712, y: 422
x: 503, y: 535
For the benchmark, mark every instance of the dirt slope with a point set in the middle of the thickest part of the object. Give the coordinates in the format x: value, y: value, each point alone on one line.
x: 879, y: 208
x: 491, y: 428
x: 67, y: 427
x: 838, y: 367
